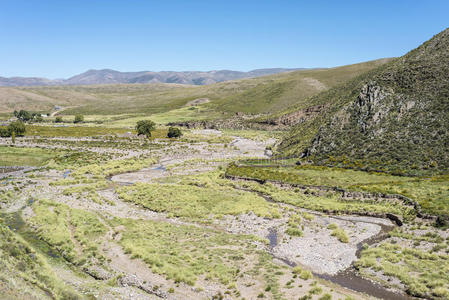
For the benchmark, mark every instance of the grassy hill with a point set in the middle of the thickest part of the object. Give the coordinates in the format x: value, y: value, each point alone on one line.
x: 265, y: 94
x: 393, y: 118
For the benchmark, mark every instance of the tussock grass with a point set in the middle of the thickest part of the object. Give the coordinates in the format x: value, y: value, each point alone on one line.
x: 183, y: 253
x: 331, y: 202
x: 62, y: 228
x: 341, y: 235
x: 293, y: 226
x: 26, y: 273
x: 17, y: 156
x: 431, y: 193
x: 72, y: 131
x: 422, y: 272
x: 199, y: 198
x: 114, y: 167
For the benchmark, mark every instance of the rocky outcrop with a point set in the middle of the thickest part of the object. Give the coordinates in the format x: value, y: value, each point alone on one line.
x: 369, y: 105
x: 296, y: 117
x: 392, y: 119
x: 133, y: 280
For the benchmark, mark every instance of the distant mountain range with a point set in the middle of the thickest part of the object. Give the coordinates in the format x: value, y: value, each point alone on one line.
x: 107, y: 76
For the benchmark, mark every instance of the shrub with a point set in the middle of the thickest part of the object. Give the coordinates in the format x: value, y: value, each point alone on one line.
x: 174, y: 132
x: 37, y: 118
x: 18, y: 127
x: 325, y: 297
x: 145, y: 127
x: 316, y: 290
x: 79, y: 119
x: 305, y: 275
x: 332, y: 226
x: 441, y: 292
x: 58, y: 120
x: 4, y: 132
x: 292, y: 231
x: 341, y: 235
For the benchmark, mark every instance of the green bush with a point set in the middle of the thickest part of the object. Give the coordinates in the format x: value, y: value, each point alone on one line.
x: 58, y: 119
x: 4, y: 132
x: 305, y: 275
x: 174, y: 132
x: 79, y: 119
x: 145, y: 127
x: 18, y: 127
x: 325, y: 297
x: 341, y: 235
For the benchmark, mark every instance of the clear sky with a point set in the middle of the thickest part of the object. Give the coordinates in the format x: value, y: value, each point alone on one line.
x: 58, y: 39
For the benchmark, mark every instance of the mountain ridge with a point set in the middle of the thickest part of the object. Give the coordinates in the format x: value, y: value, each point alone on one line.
x: 110, y: 76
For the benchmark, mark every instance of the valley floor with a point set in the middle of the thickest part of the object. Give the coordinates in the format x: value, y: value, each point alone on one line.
x: 119, y: 217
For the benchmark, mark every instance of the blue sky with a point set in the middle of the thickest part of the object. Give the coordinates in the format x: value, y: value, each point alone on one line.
x: 58, y: 39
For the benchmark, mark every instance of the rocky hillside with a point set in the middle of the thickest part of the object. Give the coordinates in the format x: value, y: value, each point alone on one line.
x: 394, y: 118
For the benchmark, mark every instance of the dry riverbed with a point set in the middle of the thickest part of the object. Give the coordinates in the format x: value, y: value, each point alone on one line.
x: 121, y: 275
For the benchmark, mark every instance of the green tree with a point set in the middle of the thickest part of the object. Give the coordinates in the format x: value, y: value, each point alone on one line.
x: 58, y: 120
x: 38, y: 118
x: 17, y: 127
x: 174, y: 132
x: 79, y: 119
x: 145, y: 127
x: 24, y: 115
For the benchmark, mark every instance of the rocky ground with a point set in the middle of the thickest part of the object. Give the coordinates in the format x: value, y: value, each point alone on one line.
x: 315, y: 250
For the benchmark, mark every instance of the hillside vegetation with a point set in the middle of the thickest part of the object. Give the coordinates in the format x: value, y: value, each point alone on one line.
x: 265, y: 94
x: 393, y: 118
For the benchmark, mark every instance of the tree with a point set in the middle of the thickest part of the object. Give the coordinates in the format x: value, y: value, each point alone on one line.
x: 174, y: 132
x: 17, y: 127
x: 38, y: 118
x: 79, y: 119
x: 145, y: 127
x: 24, y: 115
x: 58, y: 120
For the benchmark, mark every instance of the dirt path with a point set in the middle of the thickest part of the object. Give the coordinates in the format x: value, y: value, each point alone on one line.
x: 60, y: 110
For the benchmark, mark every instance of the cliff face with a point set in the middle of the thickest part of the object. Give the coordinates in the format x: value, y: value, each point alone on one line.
x: 396, y: 119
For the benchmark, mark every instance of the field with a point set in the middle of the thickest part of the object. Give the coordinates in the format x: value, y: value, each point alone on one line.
x: 124, y: 216
x: 169, y: 102
x: 14, y: 156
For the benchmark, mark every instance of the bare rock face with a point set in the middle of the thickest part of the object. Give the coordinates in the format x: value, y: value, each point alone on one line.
x: 299, y: 116
x: 369, y: 105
